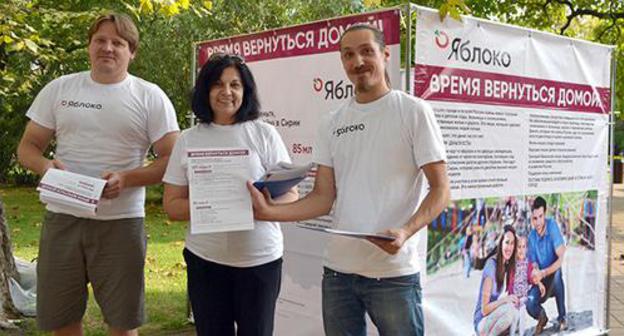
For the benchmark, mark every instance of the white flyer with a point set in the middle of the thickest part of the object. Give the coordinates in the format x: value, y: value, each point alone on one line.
x: 350, y: 234
x: 76, y: 193
x: 219, y: 198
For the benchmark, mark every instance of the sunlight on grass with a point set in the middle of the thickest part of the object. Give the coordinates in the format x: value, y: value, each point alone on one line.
x: 165, y: 270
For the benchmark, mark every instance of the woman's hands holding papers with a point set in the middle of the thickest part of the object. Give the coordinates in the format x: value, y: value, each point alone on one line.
x: 391, y: 246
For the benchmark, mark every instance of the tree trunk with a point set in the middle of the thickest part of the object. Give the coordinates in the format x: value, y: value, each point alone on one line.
x: 7, y: 270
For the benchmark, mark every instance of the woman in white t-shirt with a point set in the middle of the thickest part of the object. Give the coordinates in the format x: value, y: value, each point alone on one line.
x: 233, y: 277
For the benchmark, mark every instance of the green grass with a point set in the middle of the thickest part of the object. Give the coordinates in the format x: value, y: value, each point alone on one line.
x: 165, y: 270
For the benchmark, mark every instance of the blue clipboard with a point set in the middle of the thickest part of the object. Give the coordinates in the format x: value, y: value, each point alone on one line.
x: 278, y: 188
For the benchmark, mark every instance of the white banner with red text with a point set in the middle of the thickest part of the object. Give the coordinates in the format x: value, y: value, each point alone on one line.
x: 525, y: 116
x: 300, y: 78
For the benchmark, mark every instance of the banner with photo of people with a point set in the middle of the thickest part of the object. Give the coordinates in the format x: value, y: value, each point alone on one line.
x: 525, y: 117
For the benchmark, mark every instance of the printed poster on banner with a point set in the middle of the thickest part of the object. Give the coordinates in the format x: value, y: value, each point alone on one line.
x: 524, y: 115
x: 300, y: 79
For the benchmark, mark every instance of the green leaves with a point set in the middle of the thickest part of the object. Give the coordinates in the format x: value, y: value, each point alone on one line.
x: 7, y: 39
x: 454, y: 9
x: 32, y: 46
x: 44, y: 39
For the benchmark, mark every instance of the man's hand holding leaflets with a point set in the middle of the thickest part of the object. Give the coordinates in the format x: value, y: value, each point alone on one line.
x: 393, y: 246
x: 75, y: 193
x: 282, y: 178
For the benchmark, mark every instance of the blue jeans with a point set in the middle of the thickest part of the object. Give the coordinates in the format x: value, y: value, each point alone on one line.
x: 393, y: 304
x: 554, y: 287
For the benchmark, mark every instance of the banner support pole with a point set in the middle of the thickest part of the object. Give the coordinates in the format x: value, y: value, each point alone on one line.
x: 195, y: 48
x: 610, y: 199
x: 408, y: 48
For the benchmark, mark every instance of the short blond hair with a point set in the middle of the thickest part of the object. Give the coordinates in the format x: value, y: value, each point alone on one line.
x: 123, y: 24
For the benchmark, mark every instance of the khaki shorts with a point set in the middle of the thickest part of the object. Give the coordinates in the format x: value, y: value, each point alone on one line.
x: 110, y: 254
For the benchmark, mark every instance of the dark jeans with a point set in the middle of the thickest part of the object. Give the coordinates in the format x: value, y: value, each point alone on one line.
x: 222, y: 296
x: 554, y: 287
x: 394, y: 304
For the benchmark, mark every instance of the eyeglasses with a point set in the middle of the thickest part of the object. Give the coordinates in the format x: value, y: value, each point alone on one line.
x: 220, y: 56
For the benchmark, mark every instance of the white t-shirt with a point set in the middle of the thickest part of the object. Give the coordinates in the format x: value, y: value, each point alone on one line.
x: 104, y: 127
x: 376, y: 151
x: 249, y: 248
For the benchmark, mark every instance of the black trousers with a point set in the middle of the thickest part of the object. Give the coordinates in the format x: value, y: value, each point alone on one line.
x: 222, y: 296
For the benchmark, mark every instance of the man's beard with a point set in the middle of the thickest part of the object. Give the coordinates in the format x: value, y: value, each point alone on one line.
x: 363, y: 86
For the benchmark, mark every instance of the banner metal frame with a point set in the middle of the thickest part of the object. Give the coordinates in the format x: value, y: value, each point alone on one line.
x: 609, y: 229
x: 407, y: 11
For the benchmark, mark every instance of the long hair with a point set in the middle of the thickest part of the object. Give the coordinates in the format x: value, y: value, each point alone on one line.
x: 503, y: 269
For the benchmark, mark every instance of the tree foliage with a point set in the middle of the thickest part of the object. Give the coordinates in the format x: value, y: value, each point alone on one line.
x: 600, y: 21
x: 37, y: 44
x: 43, y: 39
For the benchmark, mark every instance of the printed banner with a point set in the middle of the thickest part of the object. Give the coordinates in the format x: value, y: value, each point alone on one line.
x: 300, y: 78
x: 524, y: 116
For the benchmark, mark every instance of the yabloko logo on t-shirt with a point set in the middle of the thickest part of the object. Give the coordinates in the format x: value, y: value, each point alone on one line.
x: 78, y: 104
x: 344, y: 130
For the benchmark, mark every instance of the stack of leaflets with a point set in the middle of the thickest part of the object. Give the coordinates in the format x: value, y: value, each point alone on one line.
x: 283, y: 177
x: 350, y: 234
x: 70, y: 192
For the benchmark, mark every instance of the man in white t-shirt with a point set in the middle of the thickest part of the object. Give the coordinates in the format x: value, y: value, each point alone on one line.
x: 104, y: 121
x: 375, y: 155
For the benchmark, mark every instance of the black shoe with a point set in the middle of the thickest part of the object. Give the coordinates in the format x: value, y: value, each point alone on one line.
x: 541, y: 323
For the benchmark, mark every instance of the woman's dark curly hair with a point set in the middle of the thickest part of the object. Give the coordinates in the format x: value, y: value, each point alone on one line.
x: 209, y: 75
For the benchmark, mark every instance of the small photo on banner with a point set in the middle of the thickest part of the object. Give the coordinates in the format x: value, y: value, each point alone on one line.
x: 470, y: 236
